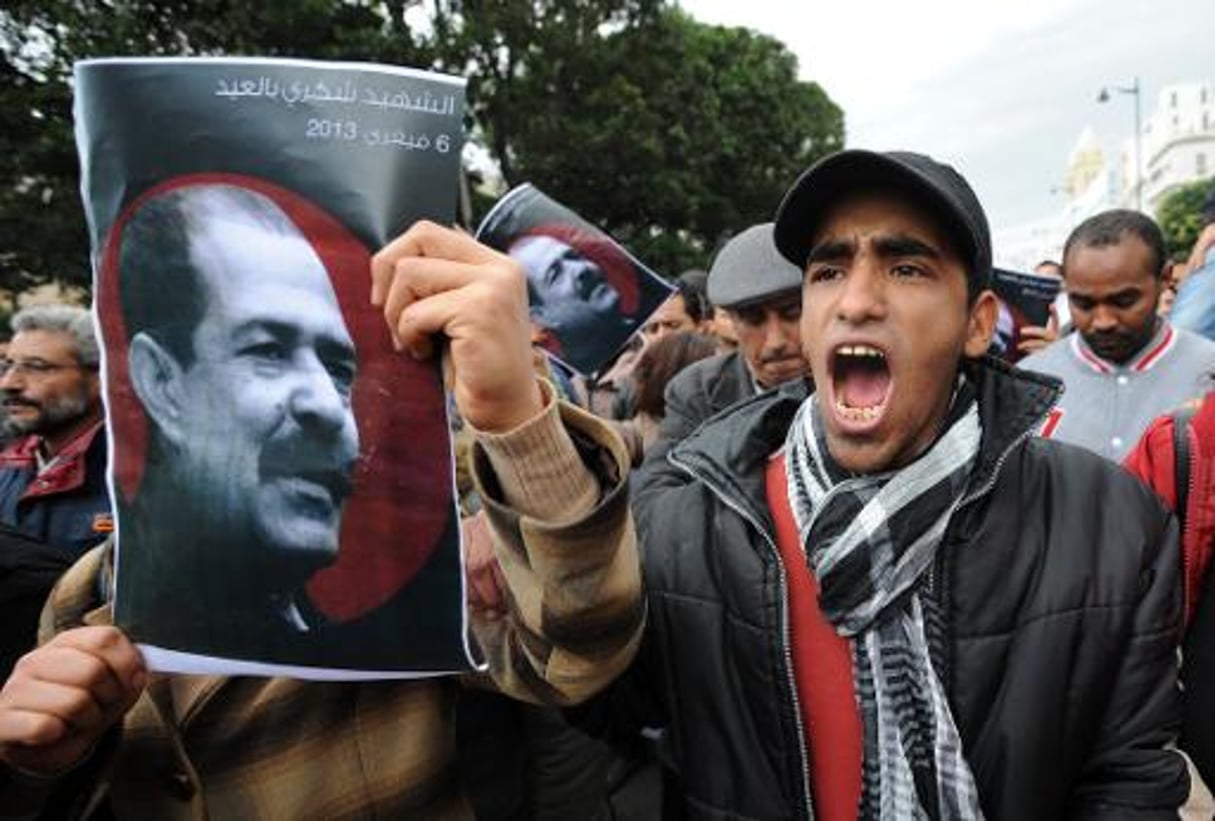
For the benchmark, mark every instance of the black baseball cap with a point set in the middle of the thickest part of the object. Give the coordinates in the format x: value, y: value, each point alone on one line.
x: 936, y: 185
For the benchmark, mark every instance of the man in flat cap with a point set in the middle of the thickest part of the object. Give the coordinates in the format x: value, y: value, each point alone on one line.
x: 762, y: 294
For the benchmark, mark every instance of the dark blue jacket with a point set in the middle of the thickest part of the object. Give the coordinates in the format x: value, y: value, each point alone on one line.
x: 67, y: 507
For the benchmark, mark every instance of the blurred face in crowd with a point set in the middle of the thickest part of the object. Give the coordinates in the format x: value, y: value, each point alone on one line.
x: 263, y: 431
x: 671, y: 317
x: 46, y: 389
x: 1049, y: 269
x: 886, y: 322
x: 721, y: 325
x: 1113, y: 292
x: 769, y: 337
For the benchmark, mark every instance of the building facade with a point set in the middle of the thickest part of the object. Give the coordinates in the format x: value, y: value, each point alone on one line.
x: 1178, y: 147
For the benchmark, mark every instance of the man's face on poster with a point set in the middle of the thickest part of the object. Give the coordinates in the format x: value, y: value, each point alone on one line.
x: 267, y: 430
x: 569, y: 293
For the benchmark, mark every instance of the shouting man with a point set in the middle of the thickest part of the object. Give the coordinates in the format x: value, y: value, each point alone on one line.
x: 906, y: 613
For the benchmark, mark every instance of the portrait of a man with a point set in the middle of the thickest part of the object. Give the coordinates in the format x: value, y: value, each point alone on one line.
x: 244, y: 368
x: 242, y: 365
x: 586, y: 294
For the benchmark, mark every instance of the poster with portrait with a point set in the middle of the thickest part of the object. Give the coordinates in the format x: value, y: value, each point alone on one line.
x: 1025, y: 299
x: 586, y: 294
x: 282, y: 479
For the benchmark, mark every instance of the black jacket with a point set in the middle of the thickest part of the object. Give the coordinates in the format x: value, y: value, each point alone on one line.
x: 1056, y: 589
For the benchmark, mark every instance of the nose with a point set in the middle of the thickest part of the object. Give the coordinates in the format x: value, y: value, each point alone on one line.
x: 316, y: 401
x: 779, y: 334
x: 1104, y: 318
x: 862, y: 297
x: 10, y: 379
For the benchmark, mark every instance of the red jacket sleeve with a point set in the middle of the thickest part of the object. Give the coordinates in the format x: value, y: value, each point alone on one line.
x: 1152, y: 460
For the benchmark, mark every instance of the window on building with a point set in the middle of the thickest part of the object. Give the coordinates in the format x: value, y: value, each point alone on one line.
x: 1202, y: 94
x: 1200, y: 164
x: 1173, y: 100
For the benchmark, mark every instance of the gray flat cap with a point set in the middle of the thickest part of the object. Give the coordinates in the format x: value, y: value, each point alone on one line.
x: 749, y: 269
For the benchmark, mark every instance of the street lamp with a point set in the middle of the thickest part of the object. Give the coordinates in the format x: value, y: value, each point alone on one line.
x: 1104, y: 97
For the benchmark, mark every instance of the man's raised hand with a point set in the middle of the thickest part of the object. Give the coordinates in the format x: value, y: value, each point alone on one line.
x: 434, y: 280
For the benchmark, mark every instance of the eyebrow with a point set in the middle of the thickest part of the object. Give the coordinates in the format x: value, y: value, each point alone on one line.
x: 892, y: 245
x: 902, y: 245
x: 831, y: 249
x: 291, y: 332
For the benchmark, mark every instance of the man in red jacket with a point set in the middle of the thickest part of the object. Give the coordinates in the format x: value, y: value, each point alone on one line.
x: 1176, y: 458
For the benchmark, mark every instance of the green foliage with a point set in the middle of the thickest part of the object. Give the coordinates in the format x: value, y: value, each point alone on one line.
x: 42, y: 230
x: 1180, y: 216
x: 669, y: 133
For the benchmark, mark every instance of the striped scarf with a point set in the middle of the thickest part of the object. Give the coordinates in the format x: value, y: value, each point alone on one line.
x: 869, y: 540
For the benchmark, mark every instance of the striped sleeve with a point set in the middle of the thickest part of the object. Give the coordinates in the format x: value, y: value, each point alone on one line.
x: 556, y: 494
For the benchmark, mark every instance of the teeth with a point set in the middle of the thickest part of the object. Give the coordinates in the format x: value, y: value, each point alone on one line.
x: 858, y: 414
x: 861, y: 350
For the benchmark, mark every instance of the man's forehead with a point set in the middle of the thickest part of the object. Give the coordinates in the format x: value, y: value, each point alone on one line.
x: 1124, y: 262
x: 1127, y: 245
x: 673, y: 304
x: 888, y: 208
x: 42, y: 343
x: 233, y: 257
x: 542, y: 246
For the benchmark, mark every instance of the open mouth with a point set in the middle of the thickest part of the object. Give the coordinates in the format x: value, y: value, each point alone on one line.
x: 860, y: 380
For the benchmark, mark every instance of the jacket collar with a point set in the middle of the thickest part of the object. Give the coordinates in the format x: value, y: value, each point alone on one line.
x: 730, y: 451
x: 24, y: 451
x: 736, y: 379
x: 1151, y: 353
x: 67, y: 471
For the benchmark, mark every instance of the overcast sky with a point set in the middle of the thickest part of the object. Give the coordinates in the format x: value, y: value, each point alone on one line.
x: 1001, y: 90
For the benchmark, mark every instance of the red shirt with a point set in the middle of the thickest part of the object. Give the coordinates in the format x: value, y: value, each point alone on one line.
x: 822, y: 672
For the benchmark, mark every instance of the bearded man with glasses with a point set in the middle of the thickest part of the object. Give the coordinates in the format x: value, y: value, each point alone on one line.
x: 52, y: 474
x: 54, y: 504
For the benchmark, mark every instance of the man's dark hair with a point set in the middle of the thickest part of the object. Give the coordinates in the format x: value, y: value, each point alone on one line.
x: 1110, y: 227
x: 692, y: 289
x: 158, y: 281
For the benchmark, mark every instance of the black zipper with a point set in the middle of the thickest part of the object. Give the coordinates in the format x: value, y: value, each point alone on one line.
x: 937, y: 571
x: 782, y: 595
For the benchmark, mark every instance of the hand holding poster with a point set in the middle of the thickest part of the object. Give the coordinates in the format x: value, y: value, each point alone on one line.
x: 587, y: 295
x: 1025, y: 301
x: 283, y: 479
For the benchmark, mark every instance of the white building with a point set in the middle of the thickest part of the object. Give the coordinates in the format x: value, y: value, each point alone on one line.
x: 1178, y: 145
x: 1090, y: 185
x: 1178, y: 141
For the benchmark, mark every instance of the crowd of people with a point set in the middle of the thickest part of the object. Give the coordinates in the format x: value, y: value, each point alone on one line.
x: 804, y: 549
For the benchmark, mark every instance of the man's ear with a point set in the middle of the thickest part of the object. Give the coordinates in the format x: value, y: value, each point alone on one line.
x: 981, y: 324
x: 156, y: 376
